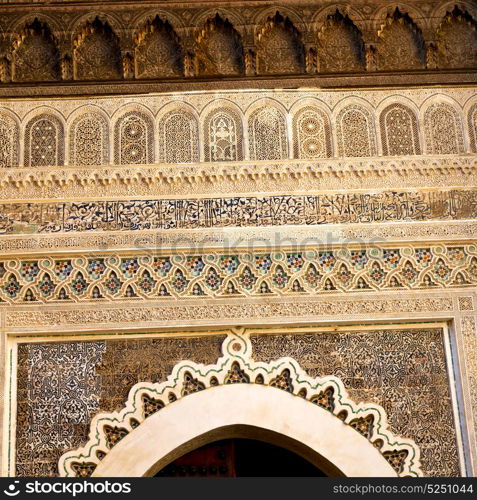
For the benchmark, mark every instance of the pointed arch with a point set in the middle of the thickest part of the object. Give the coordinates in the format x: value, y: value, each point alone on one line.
x: 443, y: 129
x: 340, y: 46
x: 44, y: 141
x: 279, y: 47
x: 134, y: 138
x: 400, y: 46
x: 399, y: 131
x: 218, y: 49
x: 35, y: 55
x: 456, y: 40
x: 96, y: 54
x: 9, y: 140
x: 267, y: 134
x: 158, y: 51
x: 89, y: 139
x: 223, y: 135
x: 311, y: 133
x: 355, y: 131
x: 178, y: 131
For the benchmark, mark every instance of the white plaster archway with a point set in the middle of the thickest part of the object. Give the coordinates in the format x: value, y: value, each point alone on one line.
x: 222, y: 411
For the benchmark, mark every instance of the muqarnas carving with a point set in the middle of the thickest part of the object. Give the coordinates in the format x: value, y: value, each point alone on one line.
x: 96, y: 54
x: 457, y: 41
x: 279, y: 48
x: 158, y: 51
x: 400, y: 45
x: 35, y: 55
x: 340, y: 47
x: 218, y: 49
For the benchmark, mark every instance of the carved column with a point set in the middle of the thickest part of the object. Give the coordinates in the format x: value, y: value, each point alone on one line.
x: 311, y: 61
x: 370, y: 57
x: 250, y: 64
x: 66, y: 67
x: 431, y: 55
x: 128, y: 66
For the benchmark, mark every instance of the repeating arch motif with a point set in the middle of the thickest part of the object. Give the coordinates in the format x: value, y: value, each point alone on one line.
x: 279, y: 48
x: 223, y: 135
x: 235, y: 369
x: 178, y: 137
x: 340, y: 46
x: 44, y: 141
x: 96, y: 54
x: 355, y: 132
x: 443, y: 130
x: 133, y: 139
x: 219, y: 49
x: 35, y: 55
x: 9, y: 141
x: 472, y: 125
x: 267, y: 134
x: 89, y: 140
x: 400, y: 46
x: 399, y: 131
x: 158, y: 51
x: 311, y: 134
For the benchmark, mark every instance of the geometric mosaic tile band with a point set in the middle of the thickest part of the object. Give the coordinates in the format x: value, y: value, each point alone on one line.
x: 102, y: 278
x: 276, y: 210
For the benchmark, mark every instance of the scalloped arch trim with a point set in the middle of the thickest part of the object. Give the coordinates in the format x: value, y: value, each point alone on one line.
x: 277, y: 396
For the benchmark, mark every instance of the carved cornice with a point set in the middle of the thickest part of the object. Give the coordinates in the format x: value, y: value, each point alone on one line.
x: 421, y: 78
x: 227, y: 177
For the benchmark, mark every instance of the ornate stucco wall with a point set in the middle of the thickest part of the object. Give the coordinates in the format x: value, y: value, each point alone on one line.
x: 328, y: 210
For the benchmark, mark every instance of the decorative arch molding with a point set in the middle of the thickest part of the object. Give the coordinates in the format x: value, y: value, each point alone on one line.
x: 267, y: 131
x: 237, y: 391
x: 223, y: 133
x: 178, y: 134
x: 96, y: 54
x: 35, y: 54
x: 399, y: 128
x: 355, y: 128
x: 443, y: 126
x: 218, y: 49
x: 340, y: 45
x: 472, y: 126
x: 279, y: 47
x: 312, y: 136
x: 456, y: 40
x: 158, y: 50
x: 88, y: 135
x: 44, y: 139
x: 133, y: 136
x: 9, y: 139
x: 401, y: 45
